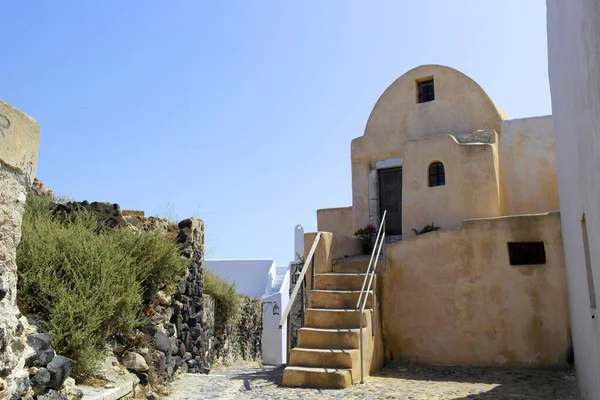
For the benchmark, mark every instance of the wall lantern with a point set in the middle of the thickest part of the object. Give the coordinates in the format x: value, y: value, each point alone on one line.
x: 275, y: 306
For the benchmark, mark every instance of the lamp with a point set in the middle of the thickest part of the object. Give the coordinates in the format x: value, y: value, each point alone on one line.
x: 275, y: 306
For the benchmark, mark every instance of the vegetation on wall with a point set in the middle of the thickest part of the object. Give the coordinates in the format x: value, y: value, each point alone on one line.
x: 84, y: 282
x: 229, y: 301
x: 427, y: 228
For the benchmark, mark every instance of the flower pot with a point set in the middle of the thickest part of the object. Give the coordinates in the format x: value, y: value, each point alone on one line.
x: 367, y: 248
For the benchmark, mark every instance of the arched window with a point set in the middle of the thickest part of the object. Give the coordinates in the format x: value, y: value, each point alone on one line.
x: 437, y: 174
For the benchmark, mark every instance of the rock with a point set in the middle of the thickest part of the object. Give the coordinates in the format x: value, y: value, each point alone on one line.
x: 152, y: 396
x: 135, y: 362
x: 44, y: 358
x: 160, y: 361
x: 119, y: 349
x: 162, y: 342
x: 41, y: 379
x: 143, y: 377
x: 143, y: 351
x: 39, y: 189
x: 163, y: 299
x: 39, y: 343
x: 3, y: 290
x: 22, y: 385
x: 70, y: 390
x: 185, y: 224
x: 60, y: 368
x: 52, y: 395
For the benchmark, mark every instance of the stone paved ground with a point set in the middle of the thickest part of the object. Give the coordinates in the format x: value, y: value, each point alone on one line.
x: 402, y: 382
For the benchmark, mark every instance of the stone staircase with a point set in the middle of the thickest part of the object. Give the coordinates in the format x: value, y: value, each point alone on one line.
x: 328, y: 354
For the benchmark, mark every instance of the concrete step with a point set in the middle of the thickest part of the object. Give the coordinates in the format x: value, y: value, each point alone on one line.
x: 340, y: 281
x: 319, y: 338
x: 320, y: 378
x: 335, y: 318
x: 356, y: 264
x: 336, y: 299
x: 324, y: 358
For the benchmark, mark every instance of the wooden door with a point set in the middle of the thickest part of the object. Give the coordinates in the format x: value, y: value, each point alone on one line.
x: 390, y: 199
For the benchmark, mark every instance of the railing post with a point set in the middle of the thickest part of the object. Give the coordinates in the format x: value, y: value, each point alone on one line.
x: 362, y: 366
x: 312, y: 275
x: 303, y: 302
x: 374, y: 319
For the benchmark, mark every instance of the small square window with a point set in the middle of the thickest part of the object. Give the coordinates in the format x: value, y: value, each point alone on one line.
x: 425, y: 91
x: 527, y: 253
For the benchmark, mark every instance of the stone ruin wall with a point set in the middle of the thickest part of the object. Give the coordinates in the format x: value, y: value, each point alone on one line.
x: 184, y: 335
x: 28, y: 364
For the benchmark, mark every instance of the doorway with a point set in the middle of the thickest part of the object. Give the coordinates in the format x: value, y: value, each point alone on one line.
x: 390, y: 199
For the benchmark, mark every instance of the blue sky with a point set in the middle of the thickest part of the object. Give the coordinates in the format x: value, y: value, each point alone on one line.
x: 242, y: 112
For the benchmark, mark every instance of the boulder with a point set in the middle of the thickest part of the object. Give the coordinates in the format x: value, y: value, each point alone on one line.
x: 44, y: 358
x: 162, y: 342
x: 60, y: 368
x: 135, y: 362
x: 40, y: 343
x: 41, y: 379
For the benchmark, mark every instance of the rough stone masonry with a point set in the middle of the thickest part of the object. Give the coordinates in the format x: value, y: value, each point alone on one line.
x: 19, y: 142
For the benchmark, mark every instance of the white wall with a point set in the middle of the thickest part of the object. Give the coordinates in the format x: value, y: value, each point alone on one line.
x: 574, y: 70
x: 249, y: 276
x: 274, y: 339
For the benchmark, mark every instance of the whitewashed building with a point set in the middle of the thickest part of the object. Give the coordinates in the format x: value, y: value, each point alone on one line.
x: 263, y: 278
x: 574, y: 71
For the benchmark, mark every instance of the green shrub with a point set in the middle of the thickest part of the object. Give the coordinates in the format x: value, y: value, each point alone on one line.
x: 228, y: 300
x: 427, y: 228
x: 85, y: 284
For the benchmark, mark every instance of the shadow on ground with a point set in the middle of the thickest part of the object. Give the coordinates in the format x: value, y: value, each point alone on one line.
x: 514, y: 383
x: 270, y: 374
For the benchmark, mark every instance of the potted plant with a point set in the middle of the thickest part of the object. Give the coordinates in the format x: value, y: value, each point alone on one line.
x: 366, y: 236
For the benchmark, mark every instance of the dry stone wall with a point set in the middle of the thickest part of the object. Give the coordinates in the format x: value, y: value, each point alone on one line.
x: 239, y: 340
x: 28, y: 364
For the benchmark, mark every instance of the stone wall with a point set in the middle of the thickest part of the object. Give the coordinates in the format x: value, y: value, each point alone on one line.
x: 19, y: 141
x: 188, y: 312
x: 232, y: 342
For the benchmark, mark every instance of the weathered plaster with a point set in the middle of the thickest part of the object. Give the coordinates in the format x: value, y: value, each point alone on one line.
x: 460, y: 106
x: 574, y: 70
x: 335, y: 220
x: 19, y: 140
x: 471, y: 189
x: 529, y: 165
x: 452, y: 297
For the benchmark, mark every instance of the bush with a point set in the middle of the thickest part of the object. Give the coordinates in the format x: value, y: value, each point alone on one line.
x: 87, y: 284
x: 427, y: 228
x: 229, y: 301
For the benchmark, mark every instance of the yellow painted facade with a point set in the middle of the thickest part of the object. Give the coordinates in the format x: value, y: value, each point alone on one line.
x: 451, y: 296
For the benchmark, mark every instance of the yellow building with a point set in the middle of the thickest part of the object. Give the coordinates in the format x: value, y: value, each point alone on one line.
x: 489, y: 287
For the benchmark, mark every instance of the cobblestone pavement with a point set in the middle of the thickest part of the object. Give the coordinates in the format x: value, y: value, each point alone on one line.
x: 400, y: 382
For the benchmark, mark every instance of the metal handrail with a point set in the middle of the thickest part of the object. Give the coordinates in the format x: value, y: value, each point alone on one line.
x: 370, y: 275
x: 300, y: 280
